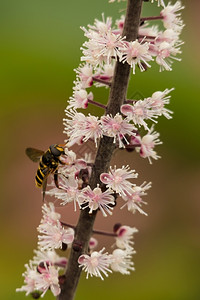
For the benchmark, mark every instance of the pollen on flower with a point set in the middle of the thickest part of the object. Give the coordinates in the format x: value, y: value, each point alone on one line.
x: 96, y: 199
x: 122, y: 261
x: 96, y: 264
x: 54, y: 236
x: 135, y: 53
x: 134, y: 201
x: 124, y: 239
x: 147, y: 144
x: 117, y: 179
x: 117, y: 128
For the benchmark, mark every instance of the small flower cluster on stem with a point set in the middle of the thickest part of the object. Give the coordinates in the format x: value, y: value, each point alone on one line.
x: 111, y: 53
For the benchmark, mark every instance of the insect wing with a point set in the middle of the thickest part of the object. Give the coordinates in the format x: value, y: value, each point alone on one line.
x: 34, y: 154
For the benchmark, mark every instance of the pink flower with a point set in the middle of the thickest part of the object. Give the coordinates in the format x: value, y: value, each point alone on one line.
x: 148, y: 142
x: 135, y: 53
x: 117, y: 127
x: 121, y: 261
x: 100, y: 26
x: 80, y: 99
x: 165, y: 52
x: 54, y: 236
x: 124, y: 239
x: 48, y: 279
x: 82, y: 127
x: 158, y: 101
x: 105, y: 72
x: 93, y: 243
x: 30, y: 276
x: 140, y: 111
x: 49, y: 257
x: 40, y: 281
x: 96, y: 199
x: 134, y: 200
x: 50, y: 216
x: 116, y: 179
x: 170, y: 14
x: 95, y: 264
x: 85, y: 74
x: 68, y: 190
x: 103, y: 45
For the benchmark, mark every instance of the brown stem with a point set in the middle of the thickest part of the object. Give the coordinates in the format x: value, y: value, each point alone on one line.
x: 101, y: 81
x: 151, y: 18
x: 130, y: 101
x: 97, y: 104
x: 105, y: 150
x: 93, y: 231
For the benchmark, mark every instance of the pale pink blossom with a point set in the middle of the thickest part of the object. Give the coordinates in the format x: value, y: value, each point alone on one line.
x: 159, y: 100
x: 120, y: 24
x: 149, y: 108
x: 117, y: 127
x: 93, y: 243
x: 80, y: 99
x: 105, y: 72
x: 92, y: 129
x: 30, y: 276
x: 117, y: 179
x: 147, y: 144
x: 82, y: 127
x: 54, y: 236
x: 165, y: 54
x: 85, y: 74
x: 48, y: 279
x: 140, y: 111
x: 68, y: 190
x: 124, y: 239
x: 171, y: 16
x: 134, y: 200
x: 135, y: 53
x: 169, y: 35
x: 100, y: 26
x: 49, y: 257
x: 148, y: 31
x: 101, y: 47
x: 121, y: 261
x: 95, y: 264
x: 96, y: 199
x: 50, y: 216
x: 73, y: 123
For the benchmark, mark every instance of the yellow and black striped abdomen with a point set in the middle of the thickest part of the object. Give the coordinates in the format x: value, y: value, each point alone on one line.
x: 42, y: 172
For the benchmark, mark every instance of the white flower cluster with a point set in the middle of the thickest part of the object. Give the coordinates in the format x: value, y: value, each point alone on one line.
x: 103, y: 47
x: 98, y: 263
x: 42, y: 273
x: 123, y: 128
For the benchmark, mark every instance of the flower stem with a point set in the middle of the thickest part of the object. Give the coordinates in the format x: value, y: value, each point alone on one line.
x: 118, y: 91
x: 94, y: 231
x: 101, y: 81
x: 130, y: 101
x: 97, y: 104
x: 151, y: 18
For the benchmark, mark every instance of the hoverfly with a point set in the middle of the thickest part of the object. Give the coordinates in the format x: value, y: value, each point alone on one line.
x: 48, y: 164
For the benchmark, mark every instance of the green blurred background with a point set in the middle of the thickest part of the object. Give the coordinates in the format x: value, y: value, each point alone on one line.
x: 40, y: 47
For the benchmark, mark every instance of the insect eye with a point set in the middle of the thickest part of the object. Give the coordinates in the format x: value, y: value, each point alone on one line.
x: 55, y: 151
